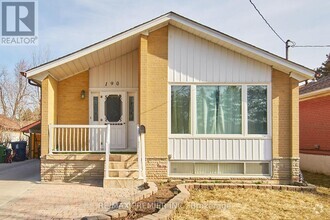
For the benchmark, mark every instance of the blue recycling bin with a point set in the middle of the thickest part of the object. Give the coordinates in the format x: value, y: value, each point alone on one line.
x: 19, y: 149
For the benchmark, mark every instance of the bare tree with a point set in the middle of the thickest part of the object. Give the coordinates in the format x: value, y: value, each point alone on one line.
x: 40, y: 56
x: 3, y: 90
x: 14, y: 92
x: 18, y: 99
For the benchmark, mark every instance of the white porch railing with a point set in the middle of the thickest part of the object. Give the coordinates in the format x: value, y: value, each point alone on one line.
x: 91, y: 138
x: 78, y: 138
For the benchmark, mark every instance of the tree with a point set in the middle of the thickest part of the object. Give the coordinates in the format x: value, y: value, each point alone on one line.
x: 18, y: 99
x: 323, y: 70
x: 16, y: 95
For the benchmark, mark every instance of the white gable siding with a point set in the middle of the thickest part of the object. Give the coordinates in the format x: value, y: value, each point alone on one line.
x: 123, y: 69
x: 193, y: 59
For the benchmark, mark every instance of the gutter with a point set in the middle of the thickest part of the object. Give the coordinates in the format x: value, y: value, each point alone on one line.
x: 31, y: 81
x: 317, y: 93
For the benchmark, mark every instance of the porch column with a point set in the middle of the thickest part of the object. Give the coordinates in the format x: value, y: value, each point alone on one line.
x: 48, y: 110
x: 294, y: 129
x: 285, y: 127
x: 143, y: 79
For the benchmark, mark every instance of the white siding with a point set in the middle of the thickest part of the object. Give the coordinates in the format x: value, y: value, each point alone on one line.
x: 193, y: 59
x: 220, y: 149
x: 123, y: 69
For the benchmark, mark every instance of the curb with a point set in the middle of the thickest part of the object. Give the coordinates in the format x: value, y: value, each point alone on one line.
x: 172, y: 205
x: 125, y: 205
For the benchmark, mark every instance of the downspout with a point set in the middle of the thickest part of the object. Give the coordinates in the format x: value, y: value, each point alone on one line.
x: 33, y: 83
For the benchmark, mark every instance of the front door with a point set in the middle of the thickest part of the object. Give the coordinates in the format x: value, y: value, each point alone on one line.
x: 113, y: 112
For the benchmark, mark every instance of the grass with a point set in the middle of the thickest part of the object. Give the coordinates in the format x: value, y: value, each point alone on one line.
x: 260, y: 204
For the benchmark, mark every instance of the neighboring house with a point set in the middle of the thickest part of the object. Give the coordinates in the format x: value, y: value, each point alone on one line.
x: 34, y: 142
x: 9, y: 130
x: 213, y: 107
x: 315, y: 126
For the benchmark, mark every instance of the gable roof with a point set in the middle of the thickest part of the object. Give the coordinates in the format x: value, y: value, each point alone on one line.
x: 72, y: 65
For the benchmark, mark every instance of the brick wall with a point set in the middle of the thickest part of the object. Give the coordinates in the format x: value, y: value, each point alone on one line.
x: 153, y: 99
x: 72, y: 168
x: 285, y: 127
x: 48, y: 110
x: 315, y: 123
x: 71, y: 108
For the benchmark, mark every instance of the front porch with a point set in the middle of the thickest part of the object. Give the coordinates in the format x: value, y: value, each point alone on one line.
x: 83, y: 153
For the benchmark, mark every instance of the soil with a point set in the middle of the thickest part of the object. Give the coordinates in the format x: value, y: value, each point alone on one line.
x: 155, y: 202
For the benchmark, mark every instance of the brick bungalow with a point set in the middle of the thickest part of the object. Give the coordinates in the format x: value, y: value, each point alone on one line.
x: 213, y: 107
x: 315, y: 126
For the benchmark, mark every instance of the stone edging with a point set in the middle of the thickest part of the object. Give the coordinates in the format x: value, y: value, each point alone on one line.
x: 125, y: 205
x: 171, y: 206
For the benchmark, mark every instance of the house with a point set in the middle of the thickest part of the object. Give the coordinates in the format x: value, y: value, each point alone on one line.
x: 34, y: 142
x: 314, y: 108
x: 9, y: 130
x: 212, y: 107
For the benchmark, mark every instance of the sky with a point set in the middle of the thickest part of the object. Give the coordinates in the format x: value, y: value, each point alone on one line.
x: 68, y: 25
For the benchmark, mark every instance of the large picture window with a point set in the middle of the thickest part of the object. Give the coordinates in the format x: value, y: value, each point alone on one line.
x: 180, y: 109
x: 219, y: 109
x: 257, y: 109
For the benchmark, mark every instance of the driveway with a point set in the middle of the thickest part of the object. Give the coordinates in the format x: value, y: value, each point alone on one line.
x: 23, y: 197
x: 16, y: 178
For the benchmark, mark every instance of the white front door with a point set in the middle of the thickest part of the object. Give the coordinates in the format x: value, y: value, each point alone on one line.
x: 113, y: 112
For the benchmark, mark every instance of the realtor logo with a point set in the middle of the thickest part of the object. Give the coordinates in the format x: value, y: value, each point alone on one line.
x: 19, y: 23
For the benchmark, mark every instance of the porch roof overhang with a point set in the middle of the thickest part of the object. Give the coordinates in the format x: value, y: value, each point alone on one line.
x: 34, y: 127
x: 127, y: 41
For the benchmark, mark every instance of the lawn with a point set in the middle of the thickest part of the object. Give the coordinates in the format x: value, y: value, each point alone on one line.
x: 260, y: 204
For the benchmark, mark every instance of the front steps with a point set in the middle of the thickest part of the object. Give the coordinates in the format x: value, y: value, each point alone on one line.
x: 123, y: 171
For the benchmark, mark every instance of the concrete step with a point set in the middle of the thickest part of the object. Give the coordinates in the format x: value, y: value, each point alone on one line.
x: 124, y: 173
x: 123, y: 157
x: 123, y: 165
x: 121, y: 182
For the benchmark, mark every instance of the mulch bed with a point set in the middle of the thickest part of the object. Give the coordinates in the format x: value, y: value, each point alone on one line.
x: 155, y: 202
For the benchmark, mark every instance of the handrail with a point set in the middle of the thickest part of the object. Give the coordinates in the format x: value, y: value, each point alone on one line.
x: 143, y: 157
x: 139, y: 152
x: 107, y: 152
x: 78, y: 126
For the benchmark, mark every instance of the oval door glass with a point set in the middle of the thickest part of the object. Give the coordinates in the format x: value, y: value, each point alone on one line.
x: 113, y: 108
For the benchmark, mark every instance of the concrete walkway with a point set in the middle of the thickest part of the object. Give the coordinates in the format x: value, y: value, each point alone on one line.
x: 53, y: 200
x: 16, y: 178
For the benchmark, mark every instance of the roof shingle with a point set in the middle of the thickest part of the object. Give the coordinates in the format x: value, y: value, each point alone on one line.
x: 322, y: 83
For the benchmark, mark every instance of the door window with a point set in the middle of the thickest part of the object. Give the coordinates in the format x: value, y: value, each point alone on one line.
x: 113, y: 108
x: 95, y: 108
x: 131, y: 108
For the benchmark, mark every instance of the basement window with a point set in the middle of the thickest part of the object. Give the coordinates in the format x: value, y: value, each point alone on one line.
x: 179, y: 168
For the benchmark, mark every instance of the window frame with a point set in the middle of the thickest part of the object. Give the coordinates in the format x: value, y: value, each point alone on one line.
x: 193, y: 112
x: 170, y: 112
x: 268, y: 109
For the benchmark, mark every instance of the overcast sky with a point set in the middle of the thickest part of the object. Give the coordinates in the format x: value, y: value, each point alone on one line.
x: 68, y: 25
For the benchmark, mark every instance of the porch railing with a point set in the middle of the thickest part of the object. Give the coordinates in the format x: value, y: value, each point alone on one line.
x: 78, y: 138
x: 91, y: 138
